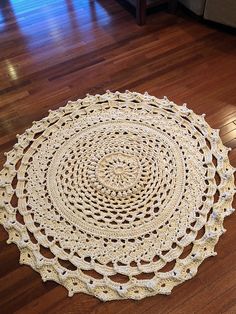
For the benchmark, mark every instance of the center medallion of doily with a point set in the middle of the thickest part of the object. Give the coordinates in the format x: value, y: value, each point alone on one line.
x: 117, y: 167
x: 118, y: 171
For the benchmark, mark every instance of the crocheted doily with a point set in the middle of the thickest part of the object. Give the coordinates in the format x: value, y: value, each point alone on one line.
x: 120, y: 195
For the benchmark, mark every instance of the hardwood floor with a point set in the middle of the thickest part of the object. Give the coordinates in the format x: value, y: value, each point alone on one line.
x: 58, y: 50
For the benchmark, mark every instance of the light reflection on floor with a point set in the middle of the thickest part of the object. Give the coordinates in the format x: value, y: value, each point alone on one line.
x: 60, y: 23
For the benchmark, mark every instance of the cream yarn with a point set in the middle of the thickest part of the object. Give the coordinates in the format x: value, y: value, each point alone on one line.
x: 105, y: 194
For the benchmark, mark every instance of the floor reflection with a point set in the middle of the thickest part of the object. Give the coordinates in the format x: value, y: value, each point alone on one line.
x: 60, y: 18
x: 46, y: 26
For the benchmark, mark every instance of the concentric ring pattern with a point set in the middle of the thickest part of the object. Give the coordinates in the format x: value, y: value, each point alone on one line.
x: 120, y: 195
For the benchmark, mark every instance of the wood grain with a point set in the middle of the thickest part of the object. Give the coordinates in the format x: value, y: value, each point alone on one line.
x: 59, y: 50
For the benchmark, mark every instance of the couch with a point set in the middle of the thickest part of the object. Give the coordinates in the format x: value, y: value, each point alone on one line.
x: 220, y: 11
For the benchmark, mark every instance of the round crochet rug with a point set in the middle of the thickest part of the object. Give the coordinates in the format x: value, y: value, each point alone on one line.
x: 120, y: 195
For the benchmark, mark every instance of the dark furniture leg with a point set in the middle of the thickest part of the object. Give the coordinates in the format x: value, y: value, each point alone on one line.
x: 172, y: 5
x: 141, y: 7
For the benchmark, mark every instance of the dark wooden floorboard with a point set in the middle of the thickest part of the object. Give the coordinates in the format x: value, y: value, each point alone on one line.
x: 58, y: 50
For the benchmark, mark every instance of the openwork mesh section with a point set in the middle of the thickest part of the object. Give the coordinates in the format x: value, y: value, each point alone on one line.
x: 120, y: 195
